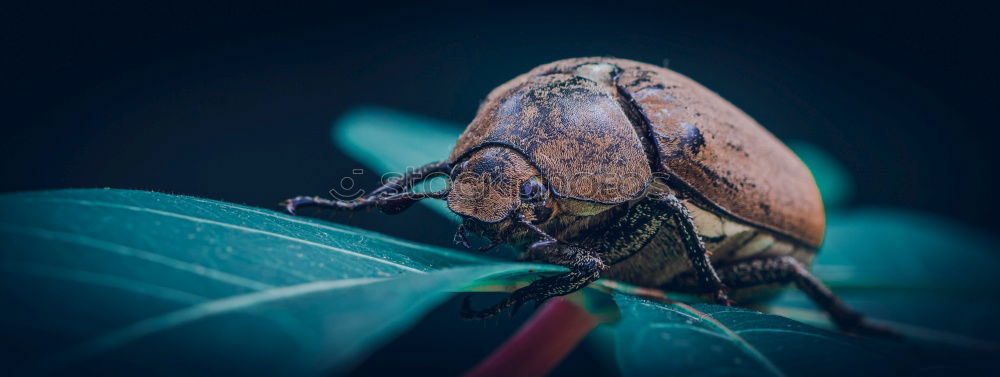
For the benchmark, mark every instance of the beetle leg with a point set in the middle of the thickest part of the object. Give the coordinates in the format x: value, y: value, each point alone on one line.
x: 397, y: 203
x: 585, y: 267
x: 389, y: 204
x: 783, y: 270
x: 392, y: 197
x: 695, y: 249
x: 490, y: 246
x: 406, y: 181
x: 631, y: 232
x: 640, y: 225
x: 305, y: 201
x: 459, y: 238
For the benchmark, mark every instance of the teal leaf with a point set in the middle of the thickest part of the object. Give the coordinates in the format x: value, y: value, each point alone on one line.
x: 660, y: 339
x: 896, y: 248
x: 835, y: 183
x: 109, y: 281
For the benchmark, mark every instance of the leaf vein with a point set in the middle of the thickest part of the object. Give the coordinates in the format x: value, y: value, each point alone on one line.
x: 135, y: 253
x: 372, y: 235
x: 237, y: 227
x: 146, y: 327
x: 736, y: 338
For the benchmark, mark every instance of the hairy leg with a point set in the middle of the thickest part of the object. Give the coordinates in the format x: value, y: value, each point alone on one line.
x: 626, y: 236
x: 782, y: 270
x: 704, y: 273
x: 631, y: 232
x: 391, y: 198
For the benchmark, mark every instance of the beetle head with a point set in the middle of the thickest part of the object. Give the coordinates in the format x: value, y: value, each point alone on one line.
x: 496, y: 188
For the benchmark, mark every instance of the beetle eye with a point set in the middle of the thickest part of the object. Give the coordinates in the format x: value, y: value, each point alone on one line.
x: 532, y: 190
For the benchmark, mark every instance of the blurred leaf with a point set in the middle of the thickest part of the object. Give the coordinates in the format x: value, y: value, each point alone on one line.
x: 106, y: 282
x: 910, y: 268
x: 895, y: 248
x: 834, y: 181
x: 390, y: 141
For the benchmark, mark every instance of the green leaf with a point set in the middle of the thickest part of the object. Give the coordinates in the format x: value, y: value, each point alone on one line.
x: 708, y: 340
x: 109, y: 281
x: 661, y: 339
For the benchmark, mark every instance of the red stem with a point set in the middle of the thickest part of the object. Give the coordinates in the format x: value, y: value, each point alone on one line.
x: 541, y: 343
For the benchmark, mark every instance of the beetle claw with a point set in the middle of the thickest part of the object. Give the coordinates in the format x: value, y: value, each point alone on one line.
x: 489, y: 247
x: 459, y: 237
x: 514, y: 301
x: 469, y: 313
x: 722, y: 298
x: 516, y: 305
x: 292, y: 204
x: 288, y: 207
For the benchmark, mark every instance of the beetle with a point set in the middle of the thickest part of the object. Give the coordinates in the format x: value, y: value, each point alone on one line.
x: 629, y: 171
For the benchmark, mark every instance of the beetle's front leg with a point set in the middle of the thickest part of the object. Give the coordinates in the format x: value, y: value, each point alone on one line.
x: 585, y: 267
x: 387, y: 204
x: 391, y: 198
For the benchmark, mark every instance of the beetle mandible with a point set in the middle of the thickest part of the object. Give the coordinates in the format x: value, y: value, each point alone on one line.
x: 629, y: 171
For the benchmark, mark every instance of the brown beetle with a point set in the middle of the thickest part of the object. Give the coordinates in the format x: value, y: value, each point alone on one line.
x: 633, y: 172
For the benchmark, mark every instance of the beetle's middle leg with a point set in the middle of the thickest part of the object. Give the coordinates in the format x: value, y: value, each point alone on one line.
x: 636, y: 228
x: 694, y: 248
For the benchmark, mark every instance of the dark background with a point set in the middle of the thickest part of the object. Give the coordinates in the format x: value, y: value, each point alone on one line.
x: 234, y: 102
